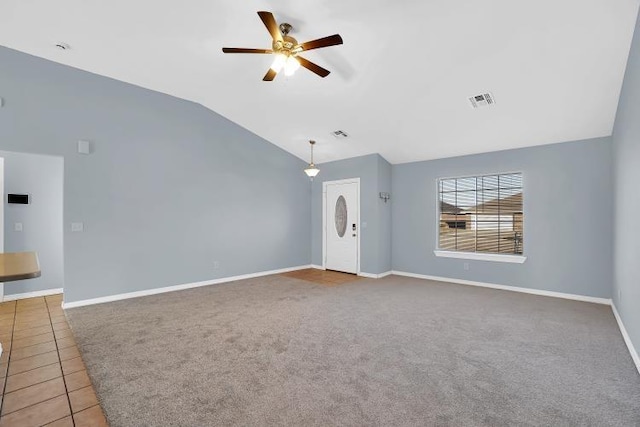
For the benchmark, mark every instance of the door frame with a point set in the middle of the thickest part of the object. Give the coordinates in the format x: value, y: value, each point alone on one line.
x: 2, y: 225
x: 324, y: 220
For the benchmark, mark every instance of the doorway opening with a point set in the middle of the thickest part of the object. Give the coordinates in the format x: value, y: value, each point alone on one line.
x: 32, y: 220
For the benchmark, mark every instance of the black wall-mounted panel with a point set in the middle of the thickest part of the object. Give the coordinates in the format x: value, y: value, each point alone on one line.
x: 20, y: 199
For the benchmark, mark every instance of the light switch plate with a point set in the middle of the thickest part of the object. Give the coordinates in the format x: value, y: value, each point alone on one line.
x: 17, y: 226
x: 77, y: 226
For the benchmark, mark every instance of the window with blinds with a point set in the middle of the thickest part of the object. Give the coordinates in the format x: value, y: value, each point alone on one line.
x: 481, y: 214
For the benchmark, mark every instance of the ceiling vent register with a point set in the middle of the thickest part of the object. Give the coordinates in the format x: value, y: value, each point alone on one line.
x: 482, y: 100
x: 339, y: 134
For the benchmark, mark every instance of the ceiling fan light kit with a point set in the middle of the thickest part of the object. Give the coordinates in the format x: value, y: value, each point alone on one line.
x: 279, y: 62
x: 289, y: 63
x: 287, y: 49
x: 291, y: 66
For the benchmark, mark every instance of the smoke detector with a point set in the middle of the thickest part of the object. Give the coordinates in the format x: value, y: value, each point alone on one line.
x: 339, y: 134
x: 482, y: 100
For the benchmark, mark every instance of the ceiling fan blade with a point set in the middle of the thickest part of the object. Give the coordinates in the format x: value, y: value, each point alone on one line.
x: 243, y: 50
x: 313, y: 67
x: 270, y: 22
x: 323, y: 42
x: 269, y: 76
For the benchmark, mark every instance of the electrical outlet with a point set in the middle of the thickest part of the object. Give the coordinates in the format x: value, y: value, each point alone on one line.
x: 77, y: 227
x: 466, y: 266
x: 17, y: 226
x: 216, y: 264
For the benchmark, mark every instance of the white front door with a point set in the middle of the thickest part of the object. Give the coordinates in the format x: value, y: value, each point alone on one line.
x: 342, y: 226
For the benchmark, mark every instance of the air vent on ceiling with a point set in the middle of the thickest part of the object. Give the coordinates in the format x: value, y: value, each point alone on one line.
x: 339, y: 134
x: 482, y: 100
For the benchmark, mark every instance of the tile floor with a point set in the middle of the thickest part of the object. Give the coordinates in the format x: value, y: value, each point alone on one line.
x: 323, y: 277
x: 43, y: 380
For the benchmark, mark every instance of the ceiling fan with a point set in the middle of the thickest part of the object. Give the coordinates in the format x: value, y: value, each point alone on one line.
x: 287, y: 49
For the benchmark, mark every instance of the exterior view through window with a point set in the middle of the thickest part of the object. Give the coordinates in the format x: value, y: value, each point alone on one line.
x: 481, y: 214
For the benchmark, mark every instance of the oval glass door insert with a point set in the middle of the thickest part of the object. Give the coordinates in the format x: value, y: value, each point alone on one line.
x: 341, y: 216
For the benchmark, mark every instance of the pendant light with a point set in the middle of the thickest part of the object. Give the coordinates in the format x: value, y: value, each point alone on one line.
x: 311, y: 170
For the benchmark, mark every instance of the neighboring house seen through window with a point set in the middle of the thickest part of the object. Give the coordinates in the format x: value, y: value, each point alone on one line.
x: 481, y: 214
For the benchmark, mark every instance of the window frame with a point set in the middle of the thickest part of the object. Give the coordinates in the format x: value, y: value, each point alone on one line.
x: 479, y: 256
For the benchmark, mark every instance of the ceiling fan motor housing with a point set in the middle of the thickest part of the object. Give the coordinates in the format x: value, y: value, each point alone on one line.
x: 285, y: 28
x: 287, y: 44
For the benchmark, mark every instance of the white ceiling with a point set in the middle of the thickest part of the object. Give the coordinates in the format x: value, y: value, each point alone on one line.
x: 399, y: 84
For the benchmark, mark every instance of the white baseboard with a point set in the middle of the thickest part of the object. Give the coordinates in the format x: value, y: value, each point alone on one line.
x: 317, y: 267
x: 35, y: 294
x: 627, y: 338
x: 584, y: 298
x: 374, y: 276
x: 174, y: 288
x: 368, y: 275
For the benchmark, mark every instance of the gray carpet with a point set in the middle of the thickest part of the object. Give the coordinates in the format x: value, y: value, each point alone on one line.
x: 393, y: 351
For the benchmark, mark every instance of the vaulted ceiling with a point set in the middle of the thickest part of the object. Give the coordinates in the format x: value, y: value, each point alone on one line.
x: 399, y: 84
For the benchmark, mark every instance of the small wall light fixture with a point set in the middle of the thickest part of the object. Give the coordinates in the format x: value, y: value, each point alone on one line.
x: 385, y: 196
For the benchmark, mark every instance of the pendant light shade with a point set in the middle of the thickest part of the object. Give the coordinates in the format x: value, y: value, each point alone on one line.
x: 312, y: 170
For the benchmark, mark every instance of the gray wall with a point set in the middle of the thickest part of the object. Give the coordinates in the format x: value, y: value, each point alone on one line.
x: 41, y: 178
x: 384, y: 212
x: 170, y: 187
x: 374, y: 258
x: 626, y: 143
x: 567, y: 223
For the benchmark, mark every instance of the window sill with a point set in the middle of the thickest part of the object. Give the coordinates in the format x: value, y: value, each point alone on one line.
x: 516, y: 259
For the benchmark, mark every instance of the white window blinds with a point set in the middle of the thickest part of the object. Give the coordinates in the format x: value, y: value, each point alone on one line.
x: 481, y: 214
